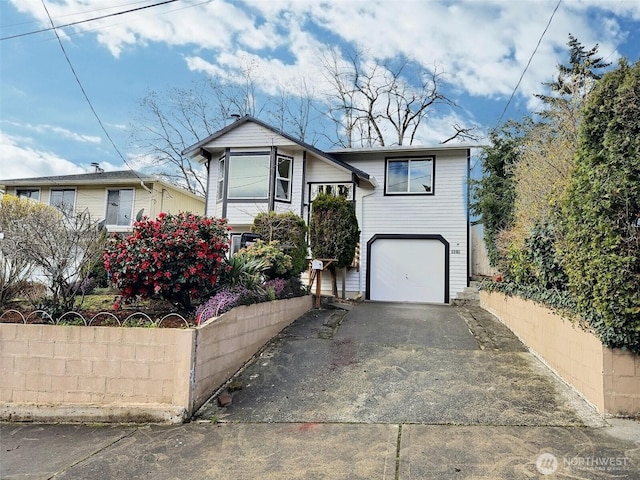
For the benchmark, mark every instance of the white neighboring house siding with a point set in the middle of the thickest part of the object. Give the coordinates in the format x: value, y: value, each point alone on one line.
x: 443, y: 213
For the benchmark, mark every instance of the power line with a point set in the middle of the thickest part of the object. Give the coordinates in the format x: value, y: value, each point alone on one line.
x: 85, y: 93
x: 54, y: 28
x: 111, y: 7
x: 529, y: 62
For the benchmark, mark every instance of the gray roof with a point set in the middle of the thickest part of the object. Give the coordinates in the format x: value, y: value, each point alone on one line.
x: 118, y: 176
x: 194, y: 149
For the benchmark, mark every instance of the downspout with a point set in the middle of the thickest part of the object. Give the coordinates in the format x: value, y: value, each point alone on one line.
x: 208, y: 187
x: 362, y: 242
x: 150, y: 194
x: 468, y: 187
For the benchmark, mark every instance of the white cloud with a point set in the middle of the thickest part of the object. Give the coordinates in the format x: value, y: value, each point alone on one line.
x: 60, y: 131
x: 23, y: 162
x: 481, y: 46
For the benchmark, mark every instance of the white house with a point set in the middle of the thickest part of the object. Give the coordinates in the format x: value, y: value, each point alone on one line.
x: 411, y: 203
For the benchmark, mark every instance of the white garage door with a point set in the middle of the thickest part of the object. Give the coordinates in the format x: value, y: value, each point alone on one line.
x: 407, y: 270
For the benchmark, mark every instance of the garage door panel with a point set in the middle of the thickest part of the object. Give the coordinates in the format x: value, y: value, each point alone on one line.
x: 407, y: 270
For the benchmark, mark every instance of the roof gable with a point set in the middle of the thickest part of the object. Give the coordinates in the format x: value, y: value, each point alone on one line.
x: 268, y: 136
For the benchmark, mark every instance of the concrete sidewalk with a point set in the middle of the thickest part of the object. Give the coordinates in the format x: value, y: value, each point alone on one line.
x: 389, y: 391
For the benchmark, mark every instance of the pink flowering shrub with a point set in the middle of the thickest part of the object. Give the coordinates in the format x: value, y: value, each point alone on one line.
x: 176, y: 258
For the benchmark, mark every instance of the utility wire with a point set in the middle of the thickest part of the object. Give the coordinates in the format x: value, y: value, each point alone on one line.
x: 529, y: 62
x: 85, y: 93
x: 54, y: 28
x: 111, y: 7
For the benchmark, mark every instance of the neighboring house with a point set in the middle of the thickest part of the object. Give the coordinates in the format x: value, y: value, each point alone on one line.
x: 411, y: 203
x: 115, y: 197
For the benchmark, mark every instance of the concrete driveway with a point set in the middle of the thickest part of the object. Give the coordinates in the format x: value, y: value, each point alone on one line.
x: 387, y: 391
x: 395, y: 363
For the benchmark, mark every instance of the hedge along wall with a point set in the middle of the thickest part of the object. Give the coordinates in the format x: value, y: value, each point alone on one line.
x: 607, y: 378
x: 115, y: 374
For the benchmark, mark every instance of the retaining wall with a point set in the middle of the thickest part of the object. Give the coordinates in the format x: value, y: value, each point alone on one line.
x: 121, y: 374
x: 607, y: 378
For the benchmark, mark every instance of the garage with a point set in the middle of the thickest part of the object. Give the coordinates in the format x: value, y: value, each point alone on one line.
x: 408, y: 268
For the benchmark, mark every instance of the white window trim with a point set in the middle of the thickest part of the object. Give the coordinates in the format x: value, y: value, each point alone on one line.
x: 288, y: 179
x: 431, y: 158
x: 220, y: 193
x: 114, y: 227
x: 58, y: 189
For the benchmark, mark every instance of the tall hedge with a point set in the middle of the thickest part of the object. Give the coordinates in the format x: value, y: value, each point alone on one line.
x: 601, y: 210
x: 333, y: 229
x: 289, y: 230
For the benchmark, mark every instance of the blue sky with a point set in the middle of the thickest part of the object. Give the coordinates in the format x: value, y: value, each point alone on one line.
x: 47, y: 127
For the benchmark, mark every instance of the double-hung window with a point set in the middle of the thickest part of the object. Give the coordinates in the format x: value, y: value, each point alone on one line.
x: 283, y: 178
x: 64, y: 199
x: 409, y: 176
x: 220, y: 193
x: 119, y: 207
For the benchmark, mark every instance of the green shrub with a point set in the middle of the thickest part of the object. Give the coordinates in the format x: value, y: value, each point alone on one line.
x: 601, y: 210
x: 242, y: 271
x: 545, y: 260
x: 333, y: 229
x: 277, y: 264
x: 289, y: 230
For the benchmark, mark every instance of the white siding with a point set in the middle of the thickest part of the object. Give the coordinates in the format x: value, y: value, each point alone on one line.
x: 211, y: 208
x: 321, y: 171
x: 244, y: 213
x: 443, y: 213
x: 249, y: 135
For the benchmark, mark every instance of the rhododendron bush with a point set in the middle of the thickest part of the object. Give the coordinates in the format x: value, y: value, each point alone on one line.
x: 176, y: 258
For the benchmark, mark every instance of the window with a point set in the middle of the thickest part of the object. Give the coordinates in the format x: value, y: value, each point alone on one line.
x: 248, y: 177
x: 412, y: 176
x: 220, y: 193
x: 63, y: 199
x: 33, y: 193
x: 283, y: 178
x: 345, y: 190
x: 119, y: 207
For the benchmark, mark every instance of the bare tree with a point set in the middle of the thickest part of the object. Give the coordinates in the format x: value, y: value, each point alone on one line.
x: 39, y: 239
x: 171, y: 121
x: 375, y: 104
x: 64, y: 248
x: 462, y: 133
x: 291, y: 109
x: 168, y: 123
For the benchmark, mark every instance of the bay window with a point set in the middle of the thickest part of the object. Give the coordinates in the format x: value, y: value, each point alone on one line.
x: 248, y: 177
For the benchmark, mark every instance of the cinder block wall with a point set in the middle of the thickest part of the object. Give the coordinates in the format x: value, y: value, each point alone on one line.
x: 224, y: 345
x: 71, y: 373
x: 55, y: 367
x: 607, y: 378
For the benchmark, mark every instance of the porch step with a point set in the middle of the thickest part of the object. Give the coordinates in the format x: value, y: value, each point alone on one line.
x: 470, y: 294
